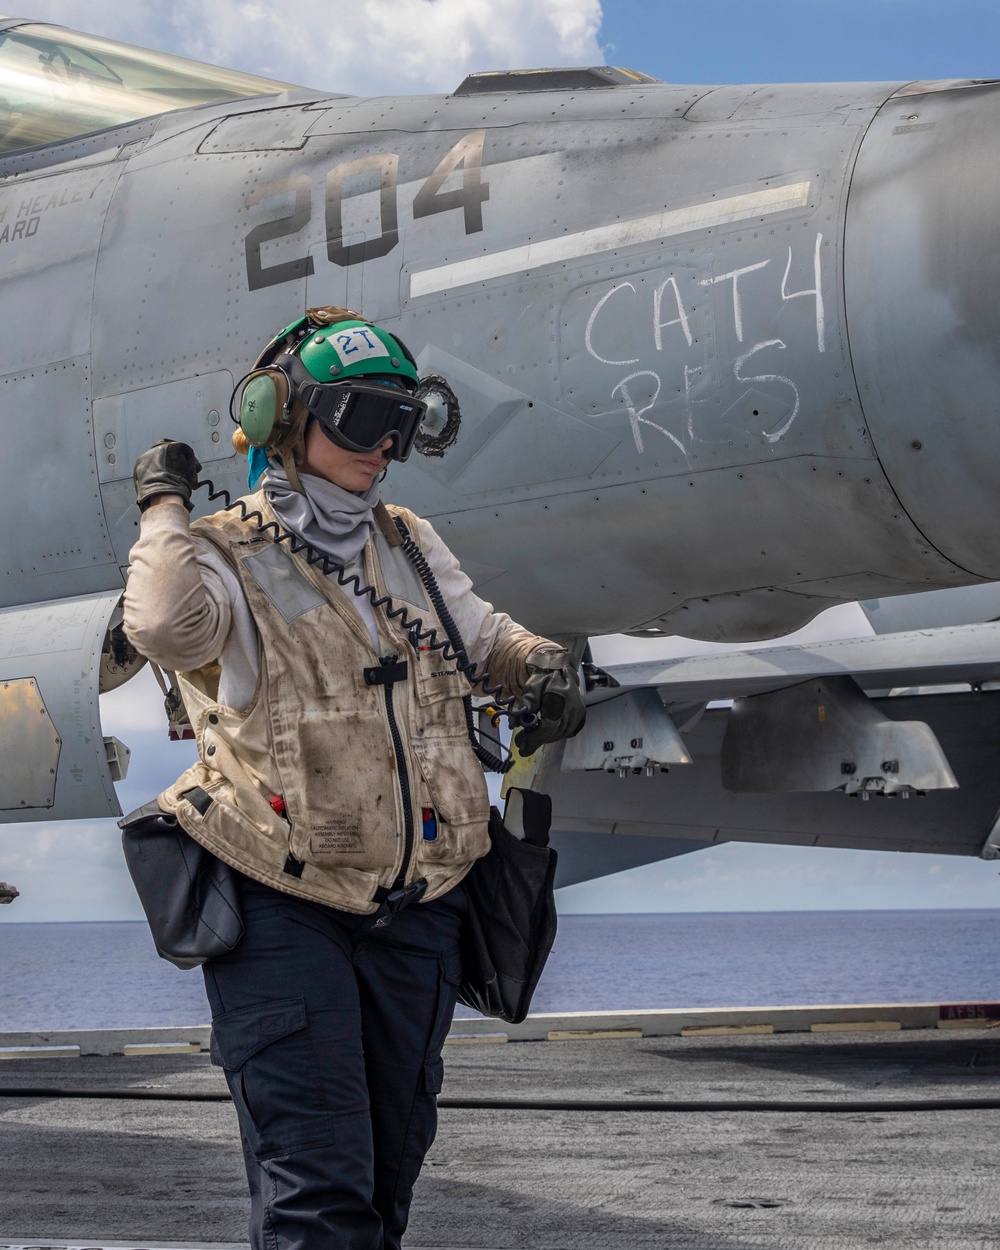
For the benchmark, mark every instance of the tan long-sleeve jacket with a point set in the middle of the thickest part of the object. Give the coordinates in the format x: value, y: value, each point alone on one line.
x: 354, y: 761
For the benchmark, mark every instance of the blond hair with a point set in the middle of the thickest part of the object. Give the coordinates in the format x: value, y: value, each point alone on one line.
x: 241, y: 444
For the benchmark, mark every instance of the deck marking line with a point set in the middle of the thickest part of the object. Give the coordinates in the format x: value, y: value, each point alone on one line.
x: 458, y: 1039
x: 50, y: 1243
x: 606, y: 238
x: 53, y: 1243
x: 855, y: 1026
x: 725, y: 1030
x: 133, y: 1049
x: 39, y: 1052
x: 585, y: 1035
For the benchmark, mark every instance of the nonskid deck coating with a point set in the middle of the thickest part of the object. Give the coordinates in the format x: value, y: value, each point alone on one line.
x: 147, y: 1174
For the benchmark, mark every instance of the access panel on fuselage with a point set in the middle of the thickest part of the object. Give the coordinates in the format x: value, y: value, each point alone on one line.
x: 51, y: 513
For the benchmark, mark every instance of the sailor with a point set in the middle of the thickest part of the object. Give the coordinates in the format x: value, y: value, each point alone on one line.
x: 335, y: 771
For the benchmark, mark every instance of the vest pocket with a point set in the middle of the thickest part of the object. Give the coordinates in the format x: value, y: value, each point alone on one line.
x: 340, y: 792
x: 438, y: 679
x: 457, y: 791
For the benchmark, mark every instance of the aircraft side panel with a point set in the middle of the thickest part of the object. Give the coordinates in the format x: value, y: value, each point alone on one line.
x: 53, y: 759
x: 50, y: 229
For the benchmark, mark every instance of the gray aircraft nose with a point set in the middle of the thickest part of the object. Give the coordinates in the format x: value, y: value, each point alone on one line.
x: 922, y: 275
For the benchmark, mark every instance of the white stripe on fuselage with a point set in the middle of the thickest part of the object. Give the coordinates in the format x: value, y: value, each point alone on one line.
x: 663, y: 225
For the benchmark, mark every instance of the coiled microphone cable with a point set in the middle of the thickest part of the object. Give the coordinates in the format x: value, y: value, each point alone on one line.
x: 452, y: 648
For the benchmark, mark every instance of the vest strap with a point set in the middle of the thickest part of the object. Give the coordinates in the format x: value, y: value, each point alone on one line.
x: 293, y: 867
x: 199, y: 799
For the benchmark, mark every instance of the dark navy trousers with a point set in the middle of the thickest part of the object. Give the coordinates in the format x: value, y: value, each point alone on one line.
x: 330, y: 1031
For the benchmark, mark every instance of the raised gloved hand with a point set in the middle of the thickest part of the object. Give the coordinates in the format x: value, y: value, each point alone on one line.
x: 552, y: 692
x: 168, y: 468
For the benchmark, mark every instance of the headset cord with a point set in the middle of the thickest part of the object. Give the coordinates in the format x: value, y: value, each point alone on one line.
x: 462, y: 662
x: 452, y: 648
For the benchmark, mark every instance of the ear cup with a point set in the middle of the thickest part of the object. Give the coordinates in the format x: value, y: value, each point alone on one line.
x: 263, y: 400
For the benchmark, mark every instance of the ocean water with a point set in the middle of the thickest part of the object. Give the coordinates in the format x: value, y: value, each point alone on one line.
x: 88, y: 976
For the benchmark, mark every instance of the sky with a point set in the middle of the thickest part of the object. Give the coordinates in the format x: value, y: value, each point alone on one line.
x: 430, y: 45
x: 74, y: 870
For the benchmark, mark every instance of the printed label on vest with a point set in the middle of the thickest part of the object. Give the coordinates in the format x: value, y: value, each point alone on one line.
x: 337, y: 837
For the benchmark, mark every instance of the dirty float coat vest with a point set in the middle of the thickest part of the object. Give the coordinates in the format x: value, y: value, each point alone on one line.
x: 354, y: 763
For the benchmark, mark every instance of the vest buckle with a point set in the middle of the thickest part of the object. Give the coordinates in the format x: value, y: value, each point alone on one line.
x: 387, y: 673
x: 396, y: 900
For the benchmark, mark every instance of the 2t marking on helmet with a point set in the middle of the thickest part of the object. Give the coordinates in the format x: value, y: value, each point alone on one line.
x: 358, y: 344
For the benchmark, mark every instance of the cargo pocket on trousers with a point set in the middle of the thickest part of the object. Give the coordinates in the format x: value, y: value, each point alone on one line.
x: 450, y: 980
x: 269, y: 1064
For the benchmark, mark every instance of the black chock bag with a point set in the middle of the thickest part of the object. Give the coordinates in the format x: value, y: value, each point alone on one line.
x: 510, y: 924
x: 189, y: 896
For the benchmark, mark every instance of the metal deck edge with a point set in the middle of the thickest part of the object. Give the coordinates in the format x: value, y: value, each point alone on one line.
x: 53, y: 1043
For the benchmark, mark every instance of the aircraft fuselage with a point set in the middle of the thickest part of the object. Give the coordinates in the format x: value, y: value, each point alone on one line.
x: 725, y: 356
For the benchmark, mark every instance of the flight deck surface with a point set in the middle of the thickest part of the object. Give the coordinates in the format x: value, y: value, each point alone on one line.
x: 150, y: 1173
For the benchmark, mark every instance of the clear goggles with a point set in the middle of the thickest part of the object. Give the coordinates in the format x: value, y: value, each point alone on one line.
x: 360, y: 416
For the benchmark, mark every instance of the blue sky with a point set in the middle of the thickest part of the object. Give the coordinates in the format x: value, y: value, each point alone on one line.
x: 804, y: 40
x: 74, y: 870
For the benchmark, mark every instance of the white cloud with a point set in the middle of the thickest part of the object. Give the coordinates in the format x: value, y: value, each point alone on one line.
x: 146, y: 25
x: 392, y: 46
x: 382, y: 46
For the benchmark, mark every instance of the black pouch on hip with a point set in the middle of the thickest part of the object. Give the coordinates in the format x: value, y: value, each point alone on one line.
x: 510, y: 924
x: 189, y: 897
